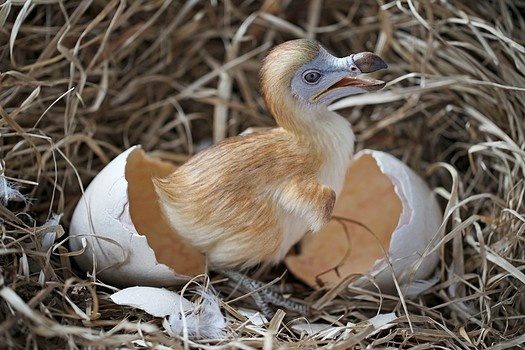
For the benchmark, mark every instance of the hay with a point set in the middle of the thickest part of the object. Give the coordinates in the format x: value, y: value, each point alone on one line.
x: 83, y: 80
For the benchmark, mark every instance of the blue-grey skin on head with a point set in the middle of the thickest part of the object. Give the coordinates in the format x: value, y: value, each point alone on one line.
x: 327, y: 78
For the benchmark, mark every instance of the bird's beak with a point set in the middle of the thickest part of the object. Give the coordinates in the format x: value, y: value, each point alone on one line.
x: 350, y: 83
x: 367, y: 62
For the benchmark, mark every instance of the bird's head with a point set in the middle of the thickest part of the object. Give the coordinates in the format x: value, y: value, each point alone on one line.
x: 301, y: 74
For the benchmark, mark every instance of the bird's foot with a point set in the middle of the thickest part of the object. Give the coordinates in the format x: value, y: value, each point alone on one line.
x: 264, y: 295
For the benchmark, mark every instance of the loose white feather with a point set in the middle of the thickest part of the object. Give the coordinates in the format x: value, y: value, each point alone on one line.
x: 204, y: 321
x: 48, y: 238
x: 9, y: 192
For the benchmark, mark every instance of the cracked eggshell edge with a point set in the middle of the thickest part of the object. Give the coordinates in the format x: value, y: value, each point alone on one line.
x: 418, y: 226
x: 102, y: 229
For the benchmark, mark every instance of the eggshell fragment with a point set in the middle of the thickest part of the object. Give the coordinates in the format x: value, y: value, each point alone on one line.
x: 385, y: 195
x: 158, y: 302
x: 325, y: 331
x: 119, y: 228
x: 203, y: 320
x: 255, y: 317
x: 320, y: 331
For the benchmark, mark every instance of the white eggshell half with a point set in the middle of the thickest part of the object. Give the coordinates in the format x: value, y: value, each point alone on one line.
x: 417, y: 229
x: 103, y: 231
x: 385, y: 195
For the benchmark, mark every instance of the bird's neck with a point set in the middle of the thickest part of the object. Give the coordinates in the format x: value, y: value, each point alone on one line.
x: 329, y: 136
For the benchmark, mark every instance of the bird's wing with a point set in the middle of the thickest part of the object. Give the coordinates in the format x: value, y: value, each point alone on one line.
x: 223, y: 200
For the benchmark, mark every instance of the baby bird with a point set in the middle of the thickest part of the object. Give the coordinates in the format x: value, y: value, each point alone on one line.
x: 247, y: 200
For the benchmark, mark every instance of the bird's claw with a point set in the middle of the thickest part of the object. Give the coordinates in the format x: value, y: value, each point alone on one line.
x: 264, y: 295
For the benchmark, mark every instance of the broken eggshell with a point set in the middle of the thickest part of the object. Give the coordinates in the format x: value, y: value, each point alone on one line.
x: 385, y: 195
x: 203, y: 320
x: 120, y: 233
x: 324, y: 331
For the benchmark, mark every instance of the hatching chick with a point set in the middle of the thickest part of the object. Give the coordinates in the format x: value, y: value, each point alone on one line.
x: 249, y: 199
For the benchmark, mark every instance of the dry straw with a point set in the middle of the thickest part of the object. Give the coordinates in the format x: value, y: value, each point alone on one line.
x: 80, y: 81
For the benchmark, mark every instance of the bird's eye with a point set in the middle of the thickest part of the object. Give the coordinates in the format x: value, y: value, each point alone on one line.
x: 311, y: 77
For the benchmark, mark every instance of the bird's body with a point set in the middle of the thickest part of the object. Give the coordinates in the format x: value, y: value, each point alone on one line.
x: 248, y: 199
x: 248, y: 190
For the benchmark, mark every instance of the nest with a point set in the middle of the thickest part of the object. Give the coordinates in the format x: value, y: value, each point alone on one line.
x: 83, y: 80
